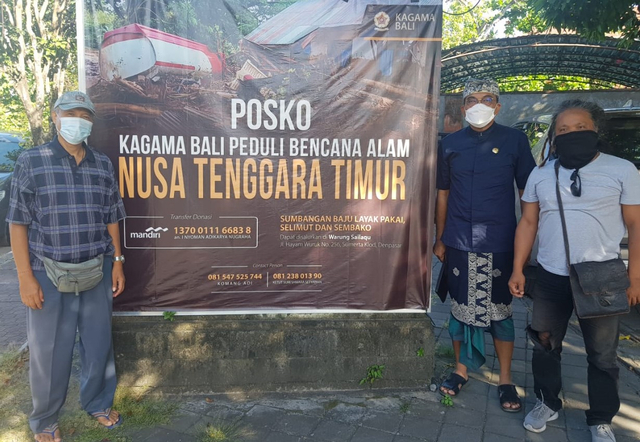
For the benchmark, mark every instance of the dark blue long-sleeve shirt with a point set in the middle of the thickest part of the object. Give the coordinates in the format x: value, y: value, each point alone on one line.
x: 479, y: 169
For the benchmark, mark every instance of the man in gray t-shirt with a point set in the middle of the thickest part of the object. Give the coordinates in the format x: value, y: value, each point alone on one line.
x: 600, y: 195
x: 594, y: 218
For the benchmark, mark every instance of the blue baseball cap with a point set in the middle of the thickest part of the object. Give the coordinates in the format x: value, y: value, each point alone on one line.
x: 73, y: 100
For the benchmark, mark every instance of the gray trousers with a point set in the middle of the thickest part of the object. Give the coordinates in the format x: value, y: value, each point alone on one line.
x: 51, y: 333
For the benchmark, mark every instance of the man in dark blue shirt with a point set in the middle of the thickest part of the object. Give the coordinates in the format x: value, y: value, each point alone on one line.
x: 475, y: 227
x: 64, y: 210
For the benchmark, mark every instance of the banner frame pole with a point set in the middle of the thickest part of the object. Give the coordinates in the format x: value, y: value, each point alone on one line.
x: 82, y: 83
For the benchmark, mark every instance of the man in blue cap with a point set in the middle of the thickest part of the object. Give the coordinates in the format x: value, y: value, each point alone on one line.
x: 63, y: 213
x: 475, y: 228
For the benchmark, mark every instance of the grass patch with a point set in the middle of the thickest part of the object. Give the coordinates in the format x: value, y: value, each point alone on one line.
x: 142, y: 411
x: 221, y: 431
x: 138, y: 409
x: 443, y: 351
x: 15, y: 397
x: 404, y: 407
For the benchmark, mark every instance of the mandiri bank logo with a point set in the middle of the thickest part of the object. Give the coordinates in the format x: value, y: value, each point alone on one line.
x: 150, y: 233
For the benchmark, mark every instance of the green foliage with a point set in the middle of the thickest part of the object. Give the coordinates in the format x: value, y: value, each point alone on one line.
x: 544, y: 83
x: 535, y: 83
x: 37, y: 50
x: 404, y: 407
x: 13, y: 118
x: 447, y: 401
x: 96, y: 24
x: 461, y: 27
x: 374, y: 373
x: 251, y: 13
x: 591, y: 19
x: 169, y: 316
x: 521, y: 18
x: 420, y: 352
x: 467, y: 21
x: 53, y: 44
x: 219, y: 25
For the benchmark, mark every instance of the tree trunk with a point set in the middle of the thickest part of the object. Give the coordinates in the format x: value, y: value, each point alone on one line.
x: 36, y: 56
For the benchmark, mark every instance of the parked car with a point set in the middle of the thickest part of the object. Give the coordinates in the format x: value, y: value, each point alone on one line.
x: 5, y: 184
x: 8, y: 144
x: 535, y: 128
x: 620, y: 132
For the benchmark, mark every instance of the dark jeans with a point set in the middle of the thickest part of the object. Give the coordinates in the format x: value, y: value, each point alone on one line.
x: 552, y: 308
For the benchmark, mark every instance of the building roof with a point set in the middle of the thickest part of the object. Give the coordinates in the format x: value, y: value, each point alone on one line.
x: 305, y: 16
x: 542, y: 55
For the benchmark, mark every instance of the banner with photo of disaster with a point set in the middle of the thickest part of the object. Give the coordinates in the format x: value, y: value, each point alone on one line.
x: 270, y: 154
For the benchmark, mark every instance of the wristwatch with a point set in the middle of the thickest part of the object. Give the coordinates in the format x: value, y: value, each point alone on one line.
x: 119, y: 258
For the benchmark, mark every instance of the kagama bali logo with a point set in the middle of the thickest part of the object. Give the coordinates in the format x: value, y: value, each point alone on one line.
x: 151, y: 232
x: 381, y: 21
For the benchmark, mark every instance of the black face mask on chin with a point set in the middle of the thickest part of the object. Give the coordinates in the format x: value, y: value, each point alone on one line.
x: 576, y: 149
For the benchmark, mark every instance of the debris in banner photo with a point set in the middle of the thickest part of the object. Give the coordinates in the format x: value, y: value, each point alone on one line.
x: 155, y: 79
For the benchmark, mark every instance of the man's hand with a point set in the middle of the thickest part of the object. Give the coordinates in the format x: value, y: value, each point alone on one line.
x: 633, y: 294
x: 439, y: 250
x: 516, y: 284
x: 117, y: 278
x: 30, y: 291
x: 631, y: 216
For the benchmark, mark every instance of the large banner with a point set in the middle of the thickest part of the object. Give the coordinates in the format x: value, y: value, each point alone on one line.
x: 270, y: 154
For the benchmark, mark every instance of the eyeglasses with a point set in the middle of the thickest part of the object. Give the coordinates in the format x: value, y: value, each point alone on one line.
x: 487, y: 101
x: 576, y: 184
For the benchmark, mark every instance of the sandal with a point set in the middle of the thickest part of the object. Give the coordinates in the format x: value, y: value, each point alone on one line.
x: 50, y: 431
x: 509, y: 394
x: 106, y: 414
x: 454, y: 382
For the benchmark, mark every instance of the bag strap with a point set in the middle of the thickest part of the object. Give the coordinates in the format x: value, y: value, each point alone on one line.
x: 565, y: 236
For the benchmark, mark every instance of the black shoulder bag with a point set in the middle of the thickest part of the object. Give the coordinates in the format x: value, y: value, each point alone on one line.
x: 599, y: 288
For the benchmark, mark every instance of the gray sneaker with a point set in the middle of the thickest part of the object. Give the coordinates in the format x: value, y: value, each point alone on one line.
x: 602, y: 433
x: 537, y: 418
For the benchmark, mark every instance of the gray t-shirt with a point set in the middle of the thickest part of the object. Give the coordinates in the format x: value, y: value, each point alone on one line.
x: 594, y: 219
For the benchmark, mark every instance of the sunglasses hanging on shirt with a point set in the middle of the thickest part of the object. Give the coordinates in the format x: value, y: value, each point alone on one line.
x: 576, y: 184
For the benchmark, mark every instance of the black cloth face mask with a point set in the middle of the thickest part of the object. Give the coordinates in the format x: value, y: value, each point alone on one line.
x: 576, y: 149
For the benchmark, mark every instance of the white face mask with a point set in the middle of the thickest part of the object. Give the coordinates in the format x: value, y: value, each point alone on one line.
x: 75, y: 130
x: 480, y: 115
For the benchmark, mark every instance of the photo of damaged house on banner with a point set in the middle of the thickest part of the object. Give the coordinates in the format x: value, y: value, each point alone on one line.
x: 278, y: 156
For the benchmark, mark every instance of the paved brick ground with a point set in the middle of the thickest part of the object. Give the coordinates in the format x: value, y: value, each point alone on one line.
x: 416, y: 415
x: 12, y: 311
x: 381, y: 415
x: 407, y: 415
